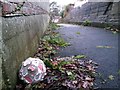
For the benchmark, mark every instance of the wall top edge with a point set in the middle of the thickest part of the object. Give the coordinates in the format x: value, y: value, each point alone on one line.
x: 24, y: 0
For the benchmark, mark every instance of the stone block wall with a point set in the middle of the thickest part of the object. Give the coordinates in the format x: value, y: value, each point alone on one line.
x: 22, y: 25
x: 96, y: 12
x: 23, y: 8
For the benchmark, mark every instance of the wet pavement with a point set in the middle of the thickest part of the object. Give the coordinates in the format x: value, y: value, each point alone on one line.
x: 89, y: 41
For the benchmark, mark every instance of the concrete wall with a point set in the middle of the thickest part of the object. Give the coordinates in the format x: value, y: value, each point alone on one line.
x: 20, y: 38
x: 96, y: 12
x: 0, y: 51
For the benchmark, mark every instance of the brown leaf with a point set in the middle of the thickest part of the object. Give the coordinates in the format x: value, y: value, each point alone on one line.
x: 85, y: 84
x: 88, y: 79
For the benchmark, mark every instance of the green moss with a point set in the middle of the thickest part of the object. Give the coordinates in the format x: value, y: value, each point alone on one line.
x: 86, y: 23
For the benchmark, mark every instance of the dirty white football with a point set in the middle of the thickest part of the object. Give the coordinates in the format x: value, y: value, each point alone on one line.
x: 32, y: 70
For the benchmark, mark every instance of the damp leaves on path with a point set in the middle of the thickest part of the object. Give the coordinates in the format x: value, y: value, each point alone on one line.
x: 63, y: 72
x: 68, y: 72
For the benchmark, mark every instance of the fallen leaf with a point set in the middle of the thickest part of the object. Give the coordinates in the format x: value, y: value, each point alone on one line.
x: 85, y: 84
x: 99, y: 46
x: 88, y: 79
x: 103, y: 46
x: 80, y: 56
x: 74, y: 82
x: 90, y: 68
x: 77, y: 32
x: 111, y: 77
x: 114, y: 32
x: 68, y: 73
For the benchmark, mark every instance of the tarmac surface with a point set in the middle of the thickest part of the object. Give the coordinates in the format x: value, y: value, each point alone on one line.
x: 90, y: 41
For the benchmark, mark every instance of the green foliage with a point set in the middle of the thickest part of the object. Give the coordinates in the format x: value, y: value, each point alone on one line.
x: 55, y: 39
x: 48, y: 63
x: 87, y: 23
x: 58, y: 66
x: 53, y: 26
x: 71, y: 75
x: 62, y: 14
x: 62, y: 63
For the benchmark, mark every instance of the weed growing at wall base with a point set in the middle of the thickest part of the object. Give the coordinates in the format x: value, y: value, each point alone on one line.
x: 86, y: 23
x: 53, y: 26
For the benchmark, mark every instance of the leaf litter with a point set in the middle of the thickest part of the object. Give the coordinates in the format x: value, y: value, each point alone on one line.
x: 68, y: 72
x: 71, y: 72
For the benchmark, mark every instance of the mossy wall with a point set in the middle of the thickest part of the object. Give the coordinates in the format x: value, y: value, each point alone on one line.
x: 19, y: 38
x: 101, y: 13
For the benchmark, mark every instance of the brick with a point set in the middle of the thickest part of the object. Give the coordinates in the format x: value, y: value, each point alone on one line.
x: 8, y: 8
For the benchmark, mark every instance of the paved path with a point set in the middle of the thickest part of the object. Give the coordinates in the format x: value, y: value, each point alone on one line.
x: 86, y: 42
